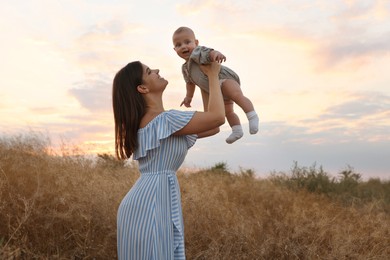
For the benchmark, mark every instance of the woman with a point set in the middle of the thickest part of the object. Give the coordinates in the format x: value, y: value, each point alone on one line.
x: 150, y: 222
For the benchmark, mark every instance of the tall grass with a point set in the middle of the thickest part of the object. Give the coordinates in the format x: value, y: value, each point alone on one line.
x: 63, y: 206
x: 58, y: 206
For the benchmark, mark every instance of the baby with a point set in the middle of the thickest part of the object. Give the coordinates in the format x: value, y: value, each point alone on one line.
x: 186, y: 46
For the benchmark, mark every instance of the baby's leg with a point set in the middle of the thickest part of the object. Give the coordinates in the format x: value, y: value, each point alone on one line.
x: 232, y: 90
x: 234, y: 122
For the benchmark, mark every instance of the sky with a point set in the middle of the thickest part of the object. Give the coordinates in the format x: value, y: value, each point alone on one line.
x: 317, y: 73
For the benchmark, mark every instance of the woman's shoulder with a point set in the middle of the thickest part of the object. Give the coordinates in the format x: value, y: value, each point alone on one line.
x: 149, y: 117
x: 167, y: 116
x: 160, y: 127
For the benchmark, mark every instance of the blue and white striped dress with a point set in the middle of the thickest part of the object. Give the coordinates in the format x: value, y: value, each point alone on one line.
x: 150, y: 220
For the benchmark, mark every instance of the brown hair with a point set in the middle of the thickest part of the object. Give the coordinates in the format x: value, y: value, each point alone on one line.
x: 129, y: 108
x: 183, y: 29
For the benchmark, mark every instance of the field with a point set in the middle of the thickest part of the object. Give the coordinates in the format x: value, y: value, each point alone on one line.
x: 63, y: 206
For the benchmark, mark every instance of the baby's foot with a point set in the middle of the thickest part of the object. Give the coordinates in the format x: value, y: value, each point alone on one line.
x: 253, y: 122
x: 236, y: 134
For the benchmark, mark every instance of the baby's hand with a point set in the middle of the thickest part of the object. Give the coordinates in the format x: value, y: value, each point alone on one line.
x: 186, y: 102
x: 217, y: 56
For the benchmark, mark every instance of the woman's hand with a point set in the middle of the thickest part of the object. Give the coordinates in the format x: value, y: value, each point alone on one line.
x: 211, y: 69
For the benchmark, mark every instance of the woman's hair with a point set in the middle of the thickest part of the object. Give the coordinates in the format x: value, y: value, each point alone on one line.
x: 129, y: 108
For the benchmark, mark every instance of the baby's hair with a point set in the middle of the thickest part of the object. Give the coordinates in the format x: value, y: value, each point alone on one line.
x: 183, y: 29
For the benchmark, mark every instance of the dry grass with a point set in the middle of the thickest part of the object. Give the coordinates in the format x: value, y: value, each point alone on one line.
x: 64, y: 207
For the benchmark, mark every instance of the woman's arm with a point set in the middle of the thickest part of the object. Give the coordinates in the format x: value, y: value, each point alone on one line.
x: 203, y: 122
x: 208, y: 133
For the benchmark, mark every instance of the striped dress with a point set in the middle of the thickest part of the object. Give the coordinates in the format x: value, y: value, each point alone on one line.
x: 150, y: 221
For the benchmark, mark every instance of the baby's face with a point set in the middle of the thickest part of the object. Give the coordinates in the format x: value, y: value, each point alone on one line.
x: 184, y: 43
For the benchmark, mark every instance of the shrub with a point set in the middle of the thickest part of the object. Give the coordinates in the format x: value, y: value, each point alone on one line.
x: 348, y: 188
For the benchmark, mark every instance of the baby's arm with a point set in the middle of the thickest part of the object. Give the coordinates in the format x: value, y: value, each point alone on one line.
x: 205, y: 55
x: 217, y: 56
x: 190, y: 93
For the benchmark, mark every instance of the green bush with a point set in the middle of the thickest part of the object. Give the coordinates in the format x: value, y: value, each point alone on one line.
x: 347, y: 188
x: 308, y: 178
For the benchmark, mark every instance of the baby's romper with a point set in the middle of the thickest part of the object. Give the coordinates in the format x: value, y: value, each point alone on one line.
x: 192, y: 72
x: 150, y: 221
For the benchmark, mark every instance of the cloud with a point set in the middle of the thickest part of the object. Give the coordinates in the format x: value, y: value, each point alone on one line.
x: 192, y: 7
x: 333, y: 33
x: 376, y: 9
x: 94, y: 93
x: 47, y: 110
x: 102, y: 44
x: 363, y: 117
x: 362, y: 105
x: 360, y: 31
x: 349, y: 47
x: 107, y: 28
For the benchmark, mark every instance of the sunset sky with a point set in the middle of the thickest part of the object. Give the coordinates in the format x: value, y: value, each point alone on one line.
x: 316, y: 71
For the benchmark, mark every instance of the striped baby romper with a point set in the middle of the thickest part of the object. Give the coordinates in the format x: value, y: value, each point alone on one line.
x: 150, y: 221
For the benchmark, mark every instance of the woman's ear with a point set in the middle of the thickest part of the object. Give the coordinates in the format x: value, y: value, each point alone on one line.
x: 142, y: 89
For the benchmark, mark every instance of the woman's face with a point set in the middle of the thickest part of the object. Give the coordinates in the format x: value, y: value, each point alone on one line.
x: 152, y: 79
